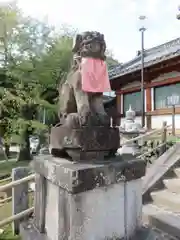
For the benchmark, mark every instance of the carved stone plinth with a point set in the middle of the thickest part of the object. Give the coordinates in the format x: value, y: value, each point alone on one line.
x: 84, y: 144
x: 86, y: 201
x: 29, y: 232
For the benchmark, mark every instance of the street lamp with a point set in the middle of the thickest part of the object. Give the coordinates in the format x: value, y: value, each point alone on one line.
x: 142, y: 29
x: 178, y: 15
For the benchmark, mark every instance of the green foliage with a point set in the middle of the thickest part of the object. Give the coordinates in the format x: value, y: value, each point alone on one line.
x: 110, y: 59
x: 55, y: 63
x: 8, y: 235
x: 34, y: 60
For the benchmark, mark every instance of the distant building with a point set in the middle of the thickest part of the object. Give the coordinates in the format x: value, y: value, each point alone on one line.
x: 162, y: 81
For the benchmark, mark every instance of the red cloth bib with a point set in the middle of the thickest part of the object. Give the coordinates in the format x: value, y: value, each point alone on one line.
x: 94, y: 75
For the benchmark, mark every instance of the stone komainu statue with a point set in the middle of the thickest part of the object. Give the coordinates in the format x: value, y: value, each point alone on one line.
x: 88, y: 106
x: 84, y: 130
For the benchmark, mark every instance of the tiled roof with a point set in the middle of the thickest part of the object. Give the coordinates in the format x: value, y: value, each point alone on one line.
x: 152, y: 56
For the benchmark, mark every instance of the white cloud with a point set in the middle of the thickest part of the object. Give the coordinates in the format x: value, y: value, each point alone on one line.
x: 117, y: 19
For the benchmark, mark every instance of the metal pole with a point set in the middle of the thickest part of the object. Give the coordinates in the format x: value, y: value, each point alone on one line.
x: 173, y: 120
x: 142, y: 78
x: 178, y: 15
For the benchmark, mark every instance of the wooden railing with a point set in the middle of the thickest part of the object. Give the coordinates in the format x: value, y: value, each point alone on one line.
x: 5, y: 179
x: 20, y: 197
x: 162, y: 130
x: 161, y: 135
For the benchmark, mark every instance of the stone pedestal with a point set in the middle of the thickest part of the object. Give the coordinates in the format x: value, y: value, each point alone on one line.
x: 86, y: 201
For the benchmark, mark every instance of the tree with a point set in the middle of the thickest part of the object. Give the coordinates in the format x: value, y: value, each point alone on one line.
x: 23, y: 41
x: 110, y: 60
x: 53, y: 69
x: 8, y: 20
x: 32, y: 39
x: 37, y: 58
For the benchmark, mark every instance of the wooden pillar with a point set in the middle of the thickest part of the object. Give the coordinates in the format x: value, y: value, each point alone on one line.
x: 118, y: 108
x: 148, y: 107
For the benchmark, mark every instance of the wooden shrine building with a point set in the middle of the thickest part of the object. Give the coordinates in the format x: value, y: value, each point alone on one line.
x: 161, y: 83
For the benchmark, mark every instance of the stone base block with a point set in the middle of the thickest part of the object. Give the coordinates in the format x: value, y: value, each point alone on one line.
x: 29, y: 232
x: 83, y: 201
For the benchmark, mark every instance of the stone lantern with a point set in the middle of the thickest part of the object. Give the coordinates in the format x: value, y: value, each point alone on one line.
x: 128, y: 130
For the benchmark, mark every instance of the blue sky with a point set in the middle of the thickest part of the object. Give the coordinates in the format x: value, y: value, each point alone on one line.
x: 117, y: 19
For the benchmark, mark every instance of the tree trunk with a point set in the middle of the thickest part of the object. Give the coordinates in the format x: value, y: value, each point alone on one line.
x: 24, y: 152
x: 7, y: 149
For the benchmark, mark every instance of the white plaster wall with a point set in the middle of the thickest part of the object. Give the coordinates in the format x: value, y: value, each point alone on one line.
x: 157, y: 121
x: 108, y: 210
x: 152, y: 99
x: 145, y: 102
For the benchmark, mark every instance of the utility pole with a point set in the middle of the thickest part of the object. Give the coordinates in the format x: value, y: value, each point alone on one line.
x: 178, y: 15
x: 142, y: 29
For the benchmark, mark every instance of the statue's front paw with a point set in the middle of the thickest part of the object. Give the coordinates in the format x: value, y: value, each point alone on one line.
x: 84, y: 116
